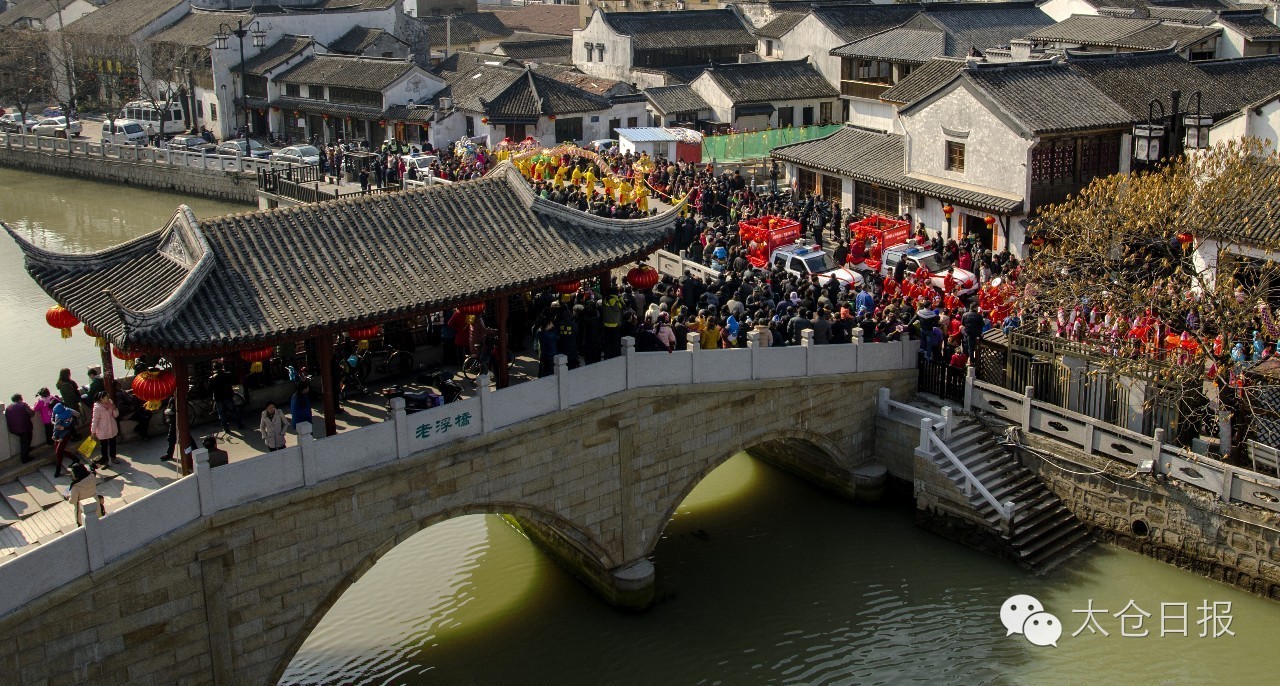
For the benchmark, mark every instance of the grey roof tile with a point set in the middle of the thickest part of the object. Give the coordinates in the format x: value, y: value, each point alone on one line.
x: 900, y: 44
x: 677, y: 98
x: 1251, y: 24
x: 1047, y: 98
x: 358, y: 39
x: 780, y: 24
x: 852, y: 22
x: 923, y: 80
x: 1132, y: 80
x: 770, y: 81
x: 370, y: 73
x: 467, y: 29
x: 559, y: 20
x: 199, y: 27
x: 1119, y: 32
x: 939, y: 30
x: 277, y: 54
x: 122, y: 17
x: 529, y: 46
x: 360, y: 260
x: 679, y: 29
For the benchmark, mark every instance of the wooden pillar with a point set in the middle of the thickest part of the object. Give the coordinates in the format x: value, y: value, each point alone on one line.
x: 324, y: 353
x: 181, y: 416
x: 504, y: 371
x: 108, y: 373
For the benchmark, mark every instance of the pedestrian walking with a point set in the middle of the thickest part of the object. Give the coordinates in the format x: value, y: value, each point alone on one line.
x: 272, y: 427
x: 84, y: 485
x: 105, y: 426
x: 44, y: 412
x: 224, y: 396
x: 18, y: 416
x: 64, y: 419
x: 300, y: 401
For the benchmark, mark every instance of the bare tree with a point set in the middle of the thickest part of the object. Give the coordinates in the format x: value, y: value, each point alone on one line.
x: 163, y: 80
x: 1157, y: 272
x: 24, y: 69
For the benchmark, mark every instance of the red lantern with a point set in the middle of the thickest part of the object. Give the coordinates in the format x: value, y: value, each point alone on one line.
x: 296, y: 113
x: 551, y: 117
x: 153, y: 387
x: 947, y: 210
x: 1037, y: 241
x: 484, y: 120
x: 98, y: 340
x: 1186, y: 239
x: 989, y: 220
x: 258, y: 354
x: 59, y: 318
x: 568, y: 287
x: 275, y: 109
x: 362, y: 335
x: 643, y: 277
x: 472, y: 309
x: 125, y: 355
x: 382, y: 122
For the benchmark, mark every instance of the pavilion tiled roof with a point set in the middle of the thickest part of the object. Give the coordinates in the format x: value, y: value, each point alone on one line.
x: 277, y: 54
x: 270, y: 276
x: 679, y: 29
x: 879, y: 158
x: 369, y: 73
x: 768, y: 81
x: 677, y: 98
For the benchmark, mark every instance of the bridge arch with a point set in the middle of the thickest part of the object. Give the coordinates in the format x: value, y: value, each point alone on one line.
x: 809, y: 455
x: 574, y: 535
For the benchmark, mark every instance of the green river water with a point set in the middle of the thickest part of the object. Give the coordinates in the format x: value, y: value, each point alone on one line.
x: 763, y: 579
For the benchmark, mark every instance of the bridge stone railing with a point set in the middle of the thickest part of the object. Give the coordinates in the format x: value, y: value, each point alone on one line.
x: 210, y: 490
x: 1148, y: 454
x: 135, y: 153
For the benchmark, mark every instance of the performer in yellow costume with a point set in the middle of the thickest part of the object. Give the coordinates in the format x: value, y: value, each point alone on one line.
x: 589, y: 180
x: 576, y: 177
x: 642, y: 197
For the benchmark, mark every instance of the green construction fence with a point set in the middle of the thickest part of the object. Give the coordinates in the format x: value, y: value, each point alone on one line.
x: 736, y: 147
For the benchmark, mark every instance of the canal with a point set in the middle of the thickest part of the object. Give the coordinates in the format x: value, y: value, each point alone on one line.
x: 763, y: 579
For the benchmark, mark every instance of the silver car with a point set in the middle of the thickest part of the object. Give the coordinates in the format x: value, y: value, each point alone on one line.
x: 297, y: 154
x: 57, y: 126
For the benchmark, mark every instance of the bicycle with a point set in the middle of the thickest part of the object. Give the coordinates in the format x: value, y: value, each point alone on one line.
x: 361, y: 366
x: 201, y: 408
x: 475, y: 365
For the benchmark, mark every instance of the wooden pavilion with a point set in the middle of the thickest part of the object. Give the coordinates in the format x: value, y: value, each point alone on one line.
x: 198, y: 289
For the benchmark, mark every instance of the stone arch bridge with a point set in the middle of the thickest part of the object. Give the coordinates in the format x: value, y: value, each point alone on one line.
x: 219, y: 577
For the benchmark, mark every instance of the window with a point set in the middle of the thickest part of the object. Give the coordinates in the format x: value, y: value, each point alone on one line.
x: 315, y: 92
x: 955, y: 156
x: 806, y: 116
x: 471, y: 126
x: 632, y: 122
x: 831, y: 187
x: 600, y: 49
x: 873, y: 71
x: 355, y: 96
x: 824, y: 113
x: 590, y: 48
x: 200, y: 108
x: 807, y: 180
x: 255, y: 85
x: 786, y: 117
x: 293, y: 90
x: 768, y: 48
x: 568, y: 129
x: 213, y: 111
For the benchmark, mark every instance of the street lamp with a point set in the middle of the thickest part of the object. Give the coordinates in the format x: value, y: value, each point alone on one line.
x: 225, y: 32
x: 1147, y: 137
x: 1197, y: 126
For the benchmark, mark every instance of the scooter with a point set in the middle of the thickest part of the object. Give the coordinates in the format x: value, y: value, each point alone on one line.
x: 416, y: 401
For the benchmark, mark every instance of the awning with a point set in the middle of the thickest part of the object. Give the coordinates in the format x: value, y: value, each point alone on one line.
x: 309, y: 106
x: 750, y: 110
x: 412, y: 114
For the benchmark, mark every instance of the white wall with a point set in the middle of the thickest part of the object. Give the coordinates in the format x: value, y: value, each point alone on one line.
x: 617, y: 53
x: 1059, y: 10
x: 1262, y: 123
x: 812, y: 38
x: 874, y: 115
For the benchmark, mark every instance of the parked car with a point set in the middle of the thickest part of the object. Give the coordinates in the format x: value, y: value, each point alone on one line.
x: 297, y: 154
x: 124, y: 131
x: 57, y: 126
x: 806, y: 259
x: 420, y: 162
x: 244, y: 147
x: 12, y: 122
x: 603, y: 145
x: 194, y: 144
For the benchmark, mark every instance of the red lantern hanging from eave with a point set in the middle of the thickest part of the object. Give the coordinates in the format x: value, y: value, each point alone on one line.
x: 472, y: 309
x: 1186, y: 239
x: 125, y: 355
x: 989, y: 220
x: 568, y: 287
x: 153, y: 387
x: 643, y: 277
x: 60, y: 318
x: 948, y: 210
x: 97, y: 340
x: 256, y: 357
x: 362, y: 335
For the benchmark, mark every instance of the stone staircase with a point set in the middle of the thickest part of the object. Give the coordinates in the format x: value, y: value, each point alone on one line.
x: 1043, y: 532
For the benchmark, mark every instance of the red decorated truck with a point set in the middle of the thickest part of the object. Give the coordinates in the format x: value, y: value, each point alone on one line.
x: 763, y: 235
x: 878, y: 244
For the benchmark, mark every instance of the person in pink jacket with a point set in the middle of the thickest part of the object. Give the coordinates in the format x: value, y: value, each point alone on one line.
x: 105, y: 428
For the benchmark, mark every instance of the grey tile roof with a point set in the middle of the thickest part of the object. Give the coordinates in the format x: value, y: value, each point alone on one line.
x: 462, y: 61
x: 1132, y: 80
x: 1250, y: 24
x: 900, y: 44
x: 923, y: 80
x: 1186, y: 15
x: 467, y: 29
x: 617, y: 91
x: 770, y: 81
x: 1255, y: 219
x: 529, y: 46
x: 879, y: 158
x: 1239, y: 82
x: 198, y: 28
x: 414, y: 114
x: 1118, y: 32
x: 984, y: 25
x: 276, y: 54
x: 780, y: 24
x: 370, y: 73
x: 1047, y: 98
x: 513, y: 94
x: 358, y: 39
x: 122, y: 17
x: 559, y: 20
x: 676, y: 75
x: 678, y: 98
x: 663, y: 30
x: 339, y: 109
x: 255, y: 278
x: 474, y: 88
x: 852, y: 22
x: 32, y: 9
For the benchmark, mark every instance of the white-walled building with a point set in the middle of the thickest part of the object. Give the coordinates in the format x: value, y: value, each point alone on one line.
x: 45, y: 15
x: 754, y: 96
x: 613, y: 44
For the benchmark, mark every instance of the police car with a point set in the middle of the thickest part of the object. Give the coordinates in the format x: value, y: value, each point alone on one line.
x: 805, y: 259
x: 917, y: 257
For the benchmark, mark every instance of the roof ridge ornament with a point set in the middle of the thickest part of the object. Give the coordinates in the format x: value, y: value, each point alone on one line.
x: 185, y: 244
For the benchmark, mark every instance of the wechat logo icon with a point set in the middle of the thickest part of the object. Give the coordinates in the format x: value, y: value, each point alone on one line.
x: 1023, y: 614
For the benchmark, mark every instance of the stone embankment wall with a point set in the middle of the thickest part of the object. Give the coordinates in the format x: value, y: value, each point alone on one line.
x: 219, y: 185
x: 1234, y: 543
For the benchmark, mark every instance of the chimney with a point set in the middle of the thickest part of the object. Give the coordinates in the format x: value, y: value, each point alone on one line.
x: 1019, y: 50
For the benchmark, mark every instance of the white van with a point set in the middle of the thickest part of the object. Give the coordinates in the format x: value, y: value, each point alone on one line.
x: 124, y: 131
x: 144, y: 113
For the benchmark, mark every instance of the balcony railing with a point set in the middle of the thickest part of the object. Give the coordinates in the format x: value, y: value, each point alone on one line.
x: 863, y: 89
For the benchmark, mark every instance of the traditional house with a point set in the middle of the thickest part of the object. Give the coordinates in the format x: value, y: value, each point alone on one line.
x: 550, y: 19
x: 613, y: 44
x: 1247, y: 33
x: 478, y: 31
x: 874, y: 63
x: 536, y: 47
x: 769, y: 35
x: 45, y: 15
x: 627, y: 104
x: 1127, y: 34
x: 761, y: 95
x: 348, y: 97
x: 677, y: 104
x: 370, y: 42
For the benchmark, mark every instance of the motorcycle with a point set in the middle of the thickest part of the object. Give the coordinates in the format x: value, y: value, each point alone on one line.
x: 418, y: 400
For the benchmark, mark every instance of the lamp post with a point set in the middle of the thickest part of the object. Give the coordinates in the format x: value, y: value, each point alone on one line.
x: 225, y: 32
x: 1187, y: 130
x: 947, y: 211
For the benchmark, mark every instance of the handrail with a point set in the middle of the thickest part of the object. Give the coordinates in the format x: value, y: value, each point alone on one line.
x: 1004, y: 510
x: 176, y: 158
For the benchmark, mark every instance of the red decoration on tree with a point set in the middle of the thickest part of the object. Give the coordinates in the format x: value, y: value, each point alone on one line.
x: 472, y: 309
x: 59, y: 318
x: 153, y: 387
x: 1038, y: 241
x: 643, y: 277
x: 1186, y: 239
x: 568, y: 287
